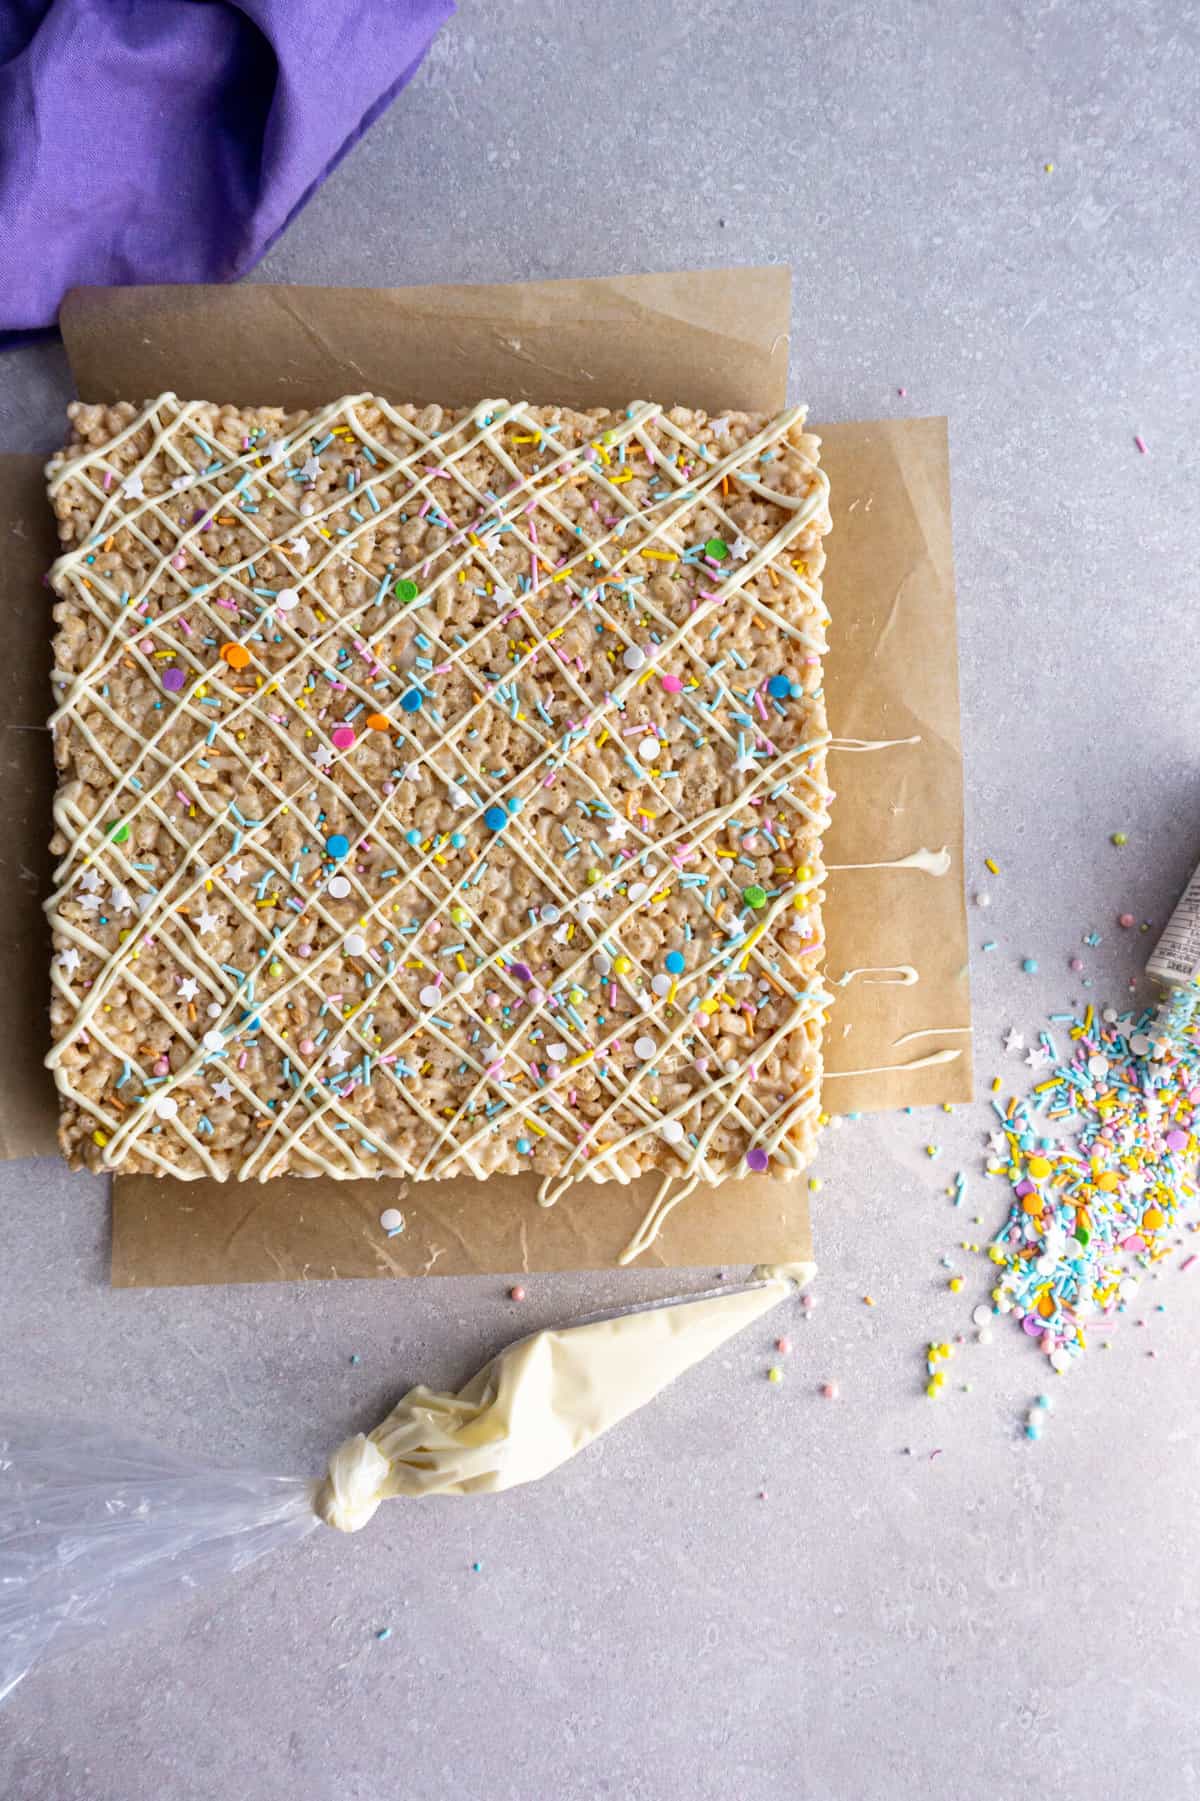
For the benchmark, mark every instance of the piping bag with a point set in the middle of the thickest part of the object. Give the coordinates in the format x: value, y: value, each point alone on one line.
x: 96, y: 1527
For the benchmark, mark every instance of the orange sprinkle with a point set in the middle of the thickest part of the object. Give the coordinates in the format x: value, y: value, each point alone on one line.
x: 379, y: 722
x: 236, y: 655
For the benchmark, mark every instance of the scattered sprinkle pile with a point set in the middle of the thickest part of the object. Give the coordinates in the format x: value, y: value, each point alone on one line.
x: 1101, y: 1158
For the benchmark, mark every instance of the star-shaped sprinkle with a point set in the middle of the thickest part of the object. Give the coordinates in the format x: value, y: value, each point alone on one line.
x: 997, y: 1144
x: 339, y: 1055
x: 189, y: 988
x: 1014, y: 1041
x: 322, y: 756
x: 741, y: 547
x: 745, y: 763
x: 90, y: 882
x: 133, y: 488
x: 235, y: 873
x: 182, y: 483
x: 223, y: 1089
x: 616, y: 831
x: 91, y: 903
x: 207, y: 922
x: 121, y: 899
x: 300, y: 547
x: 69, y: 960
x: 1037, y: 1056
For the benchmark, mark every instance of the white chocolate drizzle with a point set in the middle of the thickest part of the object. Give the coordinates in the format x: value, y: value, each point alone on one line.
x: 933, y: 862
x: 886, y: 975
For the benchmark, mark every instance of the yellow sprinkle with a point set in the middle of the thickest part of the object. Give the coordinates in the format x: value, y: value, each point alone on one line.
x: 815, y: 1184
x: 534, y: 1127
x: 868, y: 1300
x: 775, y: 1375
x: 99, y: 1137
x: 993, y: 866
x: 661, y: 556
x: 955, y: 1284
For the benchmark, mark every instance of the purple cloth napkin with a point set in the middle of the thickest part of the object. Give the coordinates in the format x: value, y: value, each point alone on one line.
x: 173, y: 140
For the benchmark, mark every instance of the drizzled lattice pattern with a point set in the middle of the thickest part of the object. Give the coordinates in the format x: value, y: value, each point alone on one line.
x: 440, y: 793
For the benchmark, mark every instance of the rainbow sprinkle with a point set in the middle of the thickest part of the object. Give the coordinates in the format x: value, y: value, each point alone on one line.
x: 1101, y: 1159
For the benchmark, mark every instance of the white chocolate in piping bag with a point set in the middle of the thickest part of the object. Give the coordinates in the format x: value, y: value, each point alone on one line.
x: 97, y: 1527
x: 537, y: 1403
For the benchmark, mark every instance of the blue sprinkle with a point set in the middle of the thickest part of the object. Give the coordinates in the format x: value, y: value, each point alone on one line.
x: 412, y: 701
x: 495, y: 819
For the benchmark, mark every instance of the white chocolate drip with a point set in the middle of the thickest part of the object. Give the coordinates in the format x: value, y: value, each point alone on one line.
x: 886, y: 975
x: 933, y: 862
x: 883, y: 1069
x: 860, y: 744
x: 931, y: 1032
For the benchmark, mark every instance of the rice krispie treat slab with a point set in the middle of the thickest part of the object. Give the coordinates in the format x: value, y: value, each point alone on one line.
x: 440, y: 792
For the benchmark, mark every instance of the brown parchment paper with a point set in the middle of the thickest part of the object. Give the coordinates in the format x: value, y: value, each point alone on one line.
x: 717, y: 339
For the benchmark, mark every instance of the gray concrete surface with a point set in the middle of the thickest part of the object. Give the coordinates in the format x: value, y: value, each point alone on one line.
x: 1002, y: 1620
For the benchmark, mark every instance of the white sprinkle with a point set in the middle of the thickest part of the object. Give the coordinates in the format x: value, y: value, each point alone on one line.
x: 661, y: 984
x: 214, y: 1009
x: 634, y: 657
x: 982, y: 1314
x: 644, y: 1047
x: 287, y: 598
x: 166, y: 1106
x: 214, y: 1041
x: 551, y: 915
x: 558, y: 1051
x: 430, y: 996
x: 355, y: 944
x: 638, y: 891
x: 648, y: 750
x: 671, y: 1132
x: 392, y: 1220
x: 339, y: 887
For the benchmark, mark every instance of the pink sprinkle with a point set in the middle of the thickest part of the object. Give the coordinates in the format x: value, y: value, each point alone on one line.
x: 1126, y: 920
x: 903, y: 392
x: 307, y: 1047
x: 1076, y: 964
x: 829, y: 1390
x: 517, y: 1293
x: 672, y: 684
x: 1134, y: 1243
x: 783, y: 1346
x: 1189, y: 1262
x: 108, y: 480
x: 342, y: 737
x: 1141, y: 443
x: 243, y: 1060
